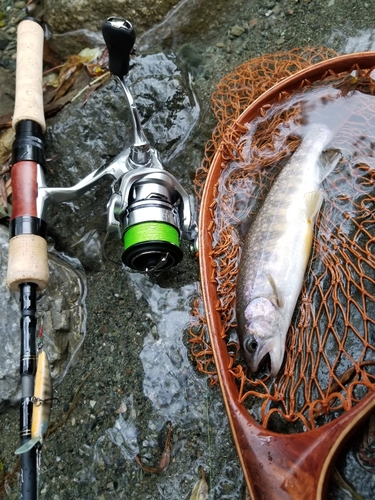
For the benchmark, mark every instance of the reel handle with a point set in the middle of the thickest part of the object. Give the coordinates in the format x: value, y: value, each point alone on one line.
x: 119, y: 36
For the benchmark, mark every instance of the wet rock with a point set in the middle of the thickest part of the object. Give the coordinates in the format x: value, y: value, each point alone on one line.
x: 82, y: 138
x: 11, y: 14
x: 62, y: 312
x: 4, y: 40
x: 7, y: 82
x: 66, y: 15
x: 167, y: 379
x: 191, y: 57
x: 72, y: 42
x: 237, y: 30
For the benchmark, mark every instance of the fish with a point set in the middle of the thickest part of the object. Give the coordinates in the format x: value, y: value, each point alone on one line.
x: 277, y: 249
x: 42, y: 403
x: 200, y: 490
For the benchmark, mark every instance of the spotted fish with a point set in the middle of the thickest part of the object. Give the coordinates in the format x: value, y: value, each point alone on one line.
x: 277, y: 249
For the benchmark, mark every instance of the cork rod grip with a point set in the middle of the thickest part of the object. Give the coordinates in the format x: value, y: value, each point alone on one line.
x: 27, y: 258
x: 27, y: 261
x: 29, y: 71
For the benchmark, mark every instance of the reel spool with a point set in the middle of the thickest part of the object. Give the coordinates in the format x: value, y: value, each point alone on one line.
x: 151, y: 228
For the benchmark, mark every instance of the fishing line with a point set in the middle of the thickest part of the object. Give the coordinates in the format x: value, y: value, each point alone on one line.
x: 150, y: 231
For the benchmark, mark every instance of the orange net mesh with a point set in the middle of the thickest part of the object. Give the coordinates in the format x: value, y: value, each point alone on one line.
x: 245, y: 84
x: 330, y: 348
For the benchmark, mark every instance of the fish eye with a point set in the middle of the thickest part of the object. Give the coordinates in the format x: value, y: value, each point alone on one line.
x: 250, y: 345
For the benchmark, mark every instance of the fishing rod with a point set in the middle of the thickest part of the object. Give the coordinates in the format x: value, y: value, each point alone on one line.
x: 27, y: 260
x: 148, y: 209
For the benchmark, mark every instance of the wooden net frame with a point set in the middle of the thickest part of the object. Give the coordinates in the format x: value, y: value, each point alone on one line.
x: 330, y: 350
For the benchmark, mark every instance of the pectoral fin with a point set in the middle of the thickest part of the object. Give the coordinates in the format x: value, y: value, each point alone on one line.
x: 313, y: 202
x: 276, y: 298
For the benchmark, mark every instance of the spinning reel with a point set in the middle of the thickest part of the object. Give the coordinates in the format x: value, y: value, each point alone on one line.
x: 149, y: 209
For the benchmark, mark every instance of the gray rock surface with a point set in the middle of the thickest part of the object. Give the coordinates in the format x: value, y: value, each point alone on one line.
x: 7, y: 82
x: 68, y: 15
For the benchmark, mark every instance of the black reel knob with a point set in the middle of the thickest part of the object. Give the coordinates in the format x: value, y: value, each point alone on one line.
x: 119, y: 36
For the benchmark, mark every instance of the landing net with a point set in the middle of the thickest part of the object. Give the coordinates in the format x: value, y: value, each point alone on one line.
x: 330, y: 348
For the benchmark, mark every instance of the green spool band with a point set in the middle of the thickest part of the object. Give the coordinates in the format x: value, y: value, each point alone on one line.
x: 150, y: 231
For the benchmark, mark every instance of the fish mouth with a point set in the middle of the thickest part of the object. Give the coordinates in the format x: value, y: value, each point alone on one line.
x: 277, y: 357
x: 271, y: 351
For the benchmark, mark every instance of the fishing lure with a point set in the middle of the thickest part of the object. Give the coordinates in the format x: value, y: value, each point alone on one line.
x: 42, y: 402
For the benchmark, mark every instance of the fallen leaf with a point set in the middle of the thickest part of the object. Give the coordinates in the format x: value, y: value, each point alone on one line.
x: 6, y: 143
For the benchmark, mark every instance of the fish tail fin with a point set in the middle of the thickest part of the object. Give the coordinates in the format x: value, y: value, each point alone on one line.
x: 27, y: 446
x: 327, y: 162
x: 313, y: 202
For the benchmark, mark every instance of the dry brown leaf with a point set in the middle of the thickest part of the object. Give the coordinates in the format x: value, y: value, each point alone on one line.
x: 67, y: 75
x: 6, y: 142
x: 74, y: 64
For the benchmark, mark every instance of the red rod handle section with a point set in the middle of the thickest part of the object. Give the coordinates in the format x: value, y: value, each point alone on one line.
x: 24, y: 189
x: 27, y: 260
